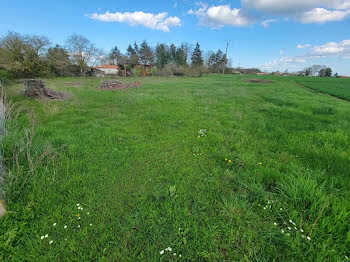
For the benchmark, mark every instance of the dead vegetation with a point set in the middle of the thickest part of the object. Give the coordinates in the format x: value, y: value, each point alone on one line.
x: 115, y: 85
x: 37, y: 89
x: 258, y: 81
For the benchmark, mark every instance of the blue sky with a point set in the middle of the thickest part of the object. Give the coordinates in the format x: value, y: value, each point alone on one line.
x: 262, y: 33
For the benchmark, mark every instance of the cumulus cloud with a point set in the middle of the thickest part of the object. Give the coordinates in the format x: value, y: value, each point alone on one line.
x: 159, y: 21
x: 331, y: 49
x: 321, y: 15
x: 283, y: 62
x: 219, y: 16
x: 303, y: 46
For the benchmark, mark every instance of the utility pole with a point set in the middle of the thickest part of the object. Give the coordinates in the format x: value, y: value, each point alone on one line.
x: 225, y: 61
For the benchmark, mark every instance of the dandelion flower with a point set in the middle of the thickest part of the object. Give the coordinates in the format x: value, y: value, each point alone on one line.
x: 46, y: 236
x: 42, y: 237
x: 308, y: 238
x: 225, y: 159
x: 198, y: 137
x: 161, y: 252
x: 229, y: 161
x: 65, y: 226
x: 51, y: 241
x: 54, y: 224
x: 260, y: 163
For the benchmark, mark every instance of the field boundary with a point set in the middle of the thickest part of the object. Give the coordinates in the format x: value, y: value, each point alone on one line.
x: 319, y: 91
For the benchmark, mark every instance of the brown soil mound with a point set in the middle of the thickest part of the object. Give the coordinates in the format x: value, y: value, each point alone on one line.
x: 36, y: 88
x: 257, y: 81
x: 75, y: 84
x: 115, y: 84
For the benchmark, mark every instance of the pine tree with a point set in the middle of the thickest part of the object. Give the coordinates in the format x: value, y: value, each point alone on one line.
x: 197, y: 59
x: 133, y: 58
x: 146, y: 54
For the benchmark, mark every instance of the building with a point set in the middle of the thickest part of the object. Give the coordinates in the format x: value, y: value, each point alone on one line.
x: 108, y: 69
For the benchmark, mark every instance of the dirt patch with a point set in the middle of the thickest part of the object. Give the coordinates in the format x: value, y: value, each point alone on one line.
x: 116, y: 85
x: 75, y: 84
x: 37, y: 89
x: 258, y: 81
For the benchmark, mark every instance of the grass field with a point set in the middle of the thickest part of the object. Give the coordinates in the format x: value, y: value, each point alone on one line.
x: 336, y: 87
x: 125, y: 174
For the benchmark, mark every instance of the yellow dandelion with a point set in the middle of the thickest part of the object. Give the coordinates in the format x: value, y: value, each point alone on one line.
x: 229, y: 161
x: 260, y: 163
x: 225, y: 159
x: 78, y: 215
x: 198, y: 137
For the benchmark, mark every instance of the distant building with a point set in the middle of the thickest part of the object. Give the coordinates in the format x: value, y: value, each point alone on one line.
x: 108, y: 69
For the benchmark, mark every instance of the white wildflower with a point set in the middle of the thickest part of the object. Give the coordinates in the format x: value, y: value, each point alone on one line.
x: 51, y: 241
x: 170, y: 249
x: 180, y: 255
x: 65, y: 226
x: 288, y: 234
x: 88, y: 213
x: 42, y: 237
x: 78, y: 226
x: 54, y: 224
x: 295, y: 228
x: 46, y: 236
x: 289, y: 228
x: 282, y: 231
x: 161, y: 252
x: 301, y: 230
x: 264, y: 207
x: 302, y: 236
x: 281, y: 209
x: 308, y: 238
x: 78, y: 205
x: 90, y: 225
x: 174, y: 254
x: 275, y: 223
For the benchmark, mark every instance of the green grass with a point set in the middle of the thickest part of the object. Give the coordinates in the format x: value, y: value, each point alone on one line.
x: 132, y: 159
x: 336, y: 87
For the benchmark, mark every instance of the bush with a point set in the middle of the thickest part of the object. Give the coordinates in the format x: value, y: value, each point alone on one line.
x: 5, y: 76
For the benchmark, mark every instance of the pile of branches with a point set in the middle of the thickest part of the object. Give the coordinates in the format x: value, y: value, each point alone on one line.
x: 115, y: 84
x: 37, y: 89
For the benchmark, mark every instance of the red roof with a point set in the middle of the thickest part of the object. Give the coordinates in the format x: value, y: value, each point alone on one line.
x: 108, y: 66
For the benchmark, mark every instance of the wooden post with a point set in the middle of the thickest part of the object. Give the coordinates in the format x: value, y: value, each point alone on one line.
x: 225, y: 61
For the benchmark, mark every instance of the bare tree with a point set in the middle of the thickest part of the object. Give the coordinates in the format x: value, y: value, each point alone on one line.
x: 82, y: 51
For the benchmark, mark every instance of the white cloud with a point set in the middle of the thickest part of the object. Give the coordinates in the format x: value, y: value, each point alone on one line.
x: 303, y: 46
x: 280, y: 7
x: 159, y: 21
x: 266, y: 23
x: 331, y: 49
x: 283, y: 62
x: 219, y: 16
x: 321, y: 15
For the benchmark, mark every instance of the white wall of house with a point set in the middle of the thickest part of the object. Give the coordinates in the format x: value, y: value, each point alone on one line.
x: 110, y: 71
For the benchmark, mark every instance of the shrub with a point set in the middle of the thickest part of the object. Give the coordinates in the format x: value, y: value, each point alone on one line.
x: 5, y: 76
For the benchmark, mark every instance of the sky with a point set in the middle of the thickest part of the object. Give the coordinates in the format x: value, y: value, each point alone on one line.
x: 269, y: 34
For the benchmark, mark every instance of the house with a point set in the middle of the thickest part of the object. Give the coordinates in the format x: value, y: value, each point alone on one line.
x: 108, y: 69
x: 95, y: 72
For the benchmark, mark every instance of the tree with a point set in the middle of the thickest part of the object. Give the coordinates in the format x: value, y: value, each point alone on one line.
x: 115, y: 56
x: 172, y: 52
x: 58, y: 60
x: 197, y: 59
x: 132, y: 55
x: 180, y: 57
x: 315, y: 69
x: 325, y: 72
x: 82, y: 51
x: 146, y: 54
x: 23, y: 55
x: 162, y: 56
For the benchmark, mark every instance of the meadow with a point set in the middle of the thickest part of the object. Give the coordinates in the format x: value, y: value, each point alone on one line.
x: 181, y: 169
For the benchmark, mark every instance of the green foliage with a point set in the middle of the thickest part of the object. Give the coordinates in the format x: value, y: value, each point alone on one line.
x: 5, y: 76
x: 204, y: 166
x: 197, y: 59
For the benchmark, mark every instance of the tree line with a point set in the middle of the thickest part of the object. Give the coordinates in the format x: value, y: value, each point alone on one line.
x: 26, y: 56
